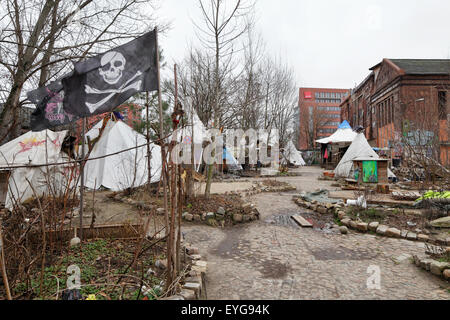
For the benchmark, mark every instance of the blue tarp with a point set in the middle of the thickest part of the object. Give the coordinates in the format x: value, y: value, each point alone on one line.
x: 231, y: 161
x: 344, y: 125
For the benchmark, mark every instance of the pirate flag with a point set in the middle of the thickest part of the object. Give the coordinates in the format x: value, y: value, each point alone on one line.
x: 49, y: 111
x: 104, y: 82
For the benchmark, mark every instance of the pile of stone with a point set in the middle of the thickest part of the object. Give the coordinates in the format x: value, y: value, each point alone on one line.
x: 220, y: 217
x: 259, y: 187
x: 193, y: 285
x: 320, y: 207
x: 441, y: 269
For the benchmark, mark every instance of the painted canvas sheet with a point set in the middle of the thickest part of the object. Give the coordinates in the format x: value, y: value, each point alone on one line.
x: 370, y: 171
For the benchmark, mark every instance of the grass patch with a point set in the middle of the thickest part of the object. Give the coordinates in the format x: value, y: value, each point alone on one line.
x: 367, y: 215
x: 101, y: 264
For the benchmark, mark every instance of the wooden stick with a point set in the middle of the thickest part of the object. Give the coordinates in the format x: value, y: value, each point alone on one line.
x: 163, y: 156
x: 3, y: 265
x: 161, y: 134
x: 44, y: 242
x: 82, y: 180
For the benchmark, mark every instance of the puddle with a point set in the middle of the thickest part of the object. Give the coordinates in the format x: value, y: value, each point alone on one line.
x: 272, y: 269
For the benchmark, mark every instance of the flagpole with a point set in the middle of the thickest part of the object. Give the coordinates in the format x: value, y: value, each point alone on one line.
x: 82, y: 179
x: 148, y: 143
x: 161, y: 135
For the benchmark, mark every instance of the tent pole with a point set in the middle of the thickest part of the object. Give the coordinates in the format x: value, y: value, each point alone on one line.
x: 82, y: 178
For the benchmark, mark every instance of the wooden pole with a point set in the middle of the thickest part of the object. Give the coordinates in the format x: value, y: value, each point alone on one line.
x: 171, y: 259
x: 190, y: 176
x: 3, y: 265
x: 161, y: 133
x: 163, y: 168
x: 178, y: 180
x: 83, y: 155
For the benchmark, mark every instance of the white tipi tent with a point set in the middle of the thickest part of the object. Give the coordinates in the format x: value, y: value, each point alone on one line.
x: 292, y: 155
x: 184, y: 135
x: 31, y: 148
x: 343, y: 135
x: 359, y: 148
x: 200, y: 132
x: 123, y: 170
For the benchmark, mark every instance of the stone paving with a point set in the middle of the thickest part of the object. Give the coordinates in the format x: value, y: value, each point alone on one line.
x: 275, y: 259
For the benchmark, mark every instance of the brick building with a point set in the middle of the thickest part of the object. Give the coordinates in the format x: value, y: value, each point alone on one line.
x: 404, y: 102
x: 132, y: 114
x: 319, y: 114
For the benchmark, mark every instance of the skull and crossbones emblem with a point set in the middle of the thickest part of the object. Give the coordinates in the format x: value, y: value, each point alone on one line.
x: 112, y: 67
x: 113, y: 63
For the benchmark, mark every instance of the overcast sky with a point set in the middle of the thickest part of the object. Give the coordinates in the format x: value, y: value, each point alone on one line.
x: 331, y: 43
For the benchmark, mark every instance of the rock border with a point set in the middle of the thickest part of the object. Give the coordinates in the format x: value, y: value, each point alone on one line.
x: 193, y: 287
x: 322, y: 208
x: 257, y: 188
x: 440, y: 269
x: 373, y: 226
x: 249, y: 213
x: 392, y: 232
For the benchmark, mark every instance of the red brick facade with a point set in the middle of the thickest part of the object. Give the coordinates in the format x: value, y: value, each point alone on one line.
x: 399, y: 105
x: 132, y: 114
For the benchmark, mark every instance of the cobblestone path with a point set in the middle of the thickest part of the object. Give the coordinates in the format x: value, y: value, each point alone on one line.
x: 275, y: 259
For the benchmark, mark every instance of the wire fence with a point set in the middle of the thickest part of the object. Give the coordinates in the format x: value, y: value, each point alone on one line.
x: 77, y: 161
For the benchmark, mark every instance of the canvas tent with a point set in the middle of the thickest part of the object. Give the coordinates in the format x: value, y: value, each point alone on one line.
x: 231, y: 161
x: 184, y: 135
x: 359, y: 148
x: 32, y: 148
x: 200, y: 131
x: 123, y: 170
x: 331, y: 147
x: 292, y: 155
x: 342, y: 136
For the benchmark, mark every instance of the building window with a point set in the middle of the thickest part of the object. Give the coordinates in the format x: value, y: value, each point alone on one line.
x: 392, y: 109
x: 442, y: 107
x: 327, y: 130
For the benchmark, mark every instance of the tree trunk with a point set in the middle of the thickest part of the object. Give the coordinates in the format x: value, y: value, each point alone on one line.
x: 11, y: 112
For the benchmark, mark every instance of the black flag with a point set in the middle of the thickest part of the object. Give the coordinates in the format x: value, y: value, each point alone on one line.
x: 104, y: 82
x: 49, y: 111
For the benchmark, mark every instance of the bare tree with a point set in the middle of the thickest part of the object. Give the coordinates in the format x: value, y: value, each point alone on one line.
x: 313, y: 120
x: 223, y: 23
x: 39, y: 38
x: 279, y: 98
